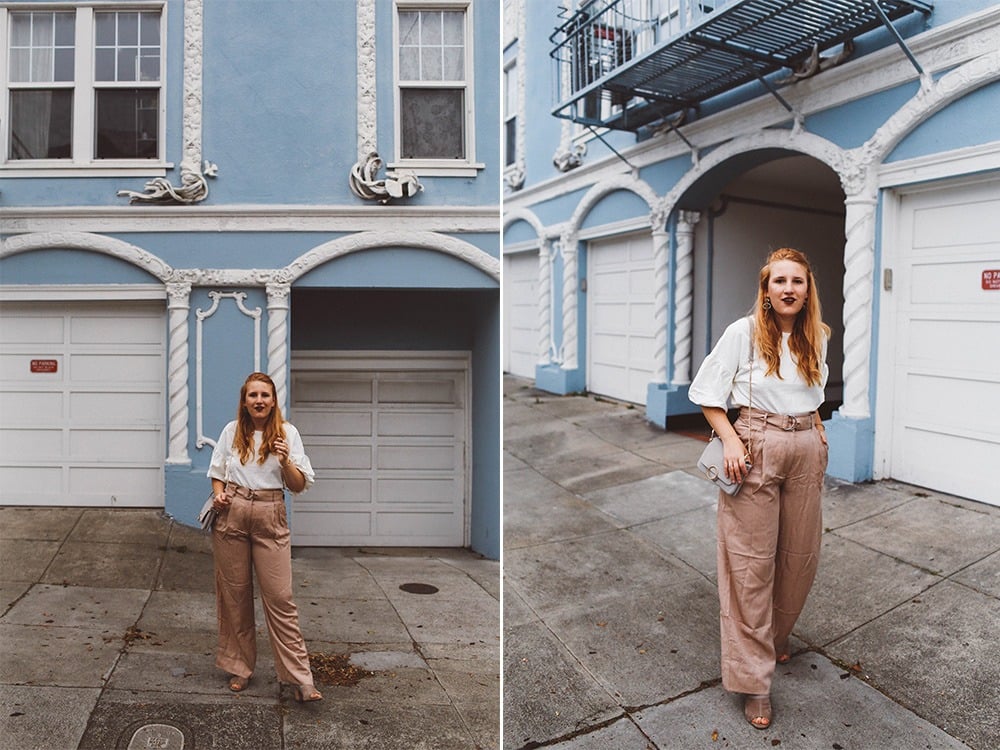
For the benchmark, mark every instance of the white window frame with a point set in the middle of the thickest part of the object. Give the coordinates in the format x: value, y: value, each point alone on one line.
x: 467, y: 167
x: 83, y: 163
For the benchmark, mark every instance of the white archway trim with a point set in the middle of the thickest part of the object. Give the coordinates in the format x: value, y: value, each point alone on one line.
x: 22, y: 243
x: 515, y: 215
x: 397, y: 238
x: 604, y: 188
x: 947, y: 89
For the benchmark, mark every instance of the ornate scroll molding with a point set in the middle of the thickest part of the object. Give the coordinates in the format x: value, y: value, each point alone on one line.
x: 399, y: 183
x: 202, y: 315
x: 684, y: 295
x: 178, y: 306
x: 277, y: 340
x: 194, y: 170
x: 569, y: 353
x: 569, y: 155
x: 544, y: 291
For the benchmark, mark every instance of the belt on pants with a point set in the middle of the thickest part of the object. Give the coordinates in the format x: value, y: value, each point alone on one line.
x: 255, y: 496
x: 786, y: 422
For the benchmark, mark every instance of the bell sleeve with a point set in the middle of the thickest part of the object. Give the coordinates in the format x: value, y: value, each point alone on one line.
x: 297, y: 455
x: 713, y: 385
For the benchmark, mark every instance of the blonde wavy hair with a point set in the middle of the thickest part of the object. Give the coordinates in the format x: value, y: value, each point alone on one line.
x: 809, y: 331
x: 273, y: 429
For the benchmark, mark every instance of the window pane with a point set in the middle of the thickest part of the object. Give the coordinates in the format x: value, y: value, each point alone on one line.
x: 65, y: 29
x: 104, y: 64
x: 454, y: 64
x: 64, y: 65
x: 20, y: 65
x: 149, y: 29
x: 430, y: 27
x: 149, y: 67
x: 126, y: 124
x: 104, y: 26
x: 432, y: 123
x: 127, y: 57
x: 20, y: 29
x: 41, y: 29
x: 409, y: 30
x: 430, y: 64
x: 409, y: 63
x: 453, y: 28
x: 41, y: 65
x: 41, y: 124
x: 510, y: 142
x: 128, y: 28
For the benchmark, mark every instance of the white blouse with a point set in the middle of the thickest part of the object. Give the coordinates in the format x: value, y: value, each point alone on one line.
x: 253, y: 475
x: 723, y: 380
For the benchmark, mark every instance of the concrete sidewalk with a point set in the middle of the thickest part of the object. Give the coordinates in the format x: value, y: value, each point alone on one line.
x: 611, y: 612
x: 107, y: 640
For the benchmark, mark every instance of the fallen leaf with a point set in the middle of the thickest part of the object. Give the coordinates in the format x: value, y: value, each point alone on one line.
x: 715, y: 735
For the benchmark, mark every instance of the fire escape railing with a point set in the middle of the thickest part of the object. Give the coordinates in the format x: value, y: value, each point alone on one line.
x: 626, y: 63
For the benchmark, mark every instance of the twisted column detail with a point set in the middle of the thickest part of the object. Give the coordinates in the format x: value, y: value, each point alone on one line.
x: 544, y: 292
x: 683, y: 292
x: 178, y: 307
x: 277, y: 340
x: 859, y: 260
x: 661, y: 301
x: 569, y: 316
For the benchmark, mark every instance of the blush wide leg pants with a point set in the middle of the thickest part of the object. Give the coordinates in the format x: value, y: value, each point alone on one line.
x: 768, y: 548
x: 252, y: 535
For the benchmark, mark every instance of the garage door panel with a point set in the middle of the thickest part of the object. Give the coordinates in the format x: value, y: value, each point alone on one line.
x: 343, y: 390
x: 611, y: 316
x: 97, y: 424
x: 640, y: 318
x: 432, y: 491
x: 426, y: 524
x: 30, y: 444
x: 412, y: 453
x: 520, y: 314
x: 613, y: 346
x: 942, y: 368
x: 344, y: 423
x: 116, y: 368
x: 431, y: 391
x: 416, y: 424
x: 953, y: 344
x: 87, y: 408
x: 113, y: 445
x: 15, y: 369
x: 35, y: 330
x: 30, y: 407
x: 101, y: 329
x: 950, y: 284
x: 422, y: 457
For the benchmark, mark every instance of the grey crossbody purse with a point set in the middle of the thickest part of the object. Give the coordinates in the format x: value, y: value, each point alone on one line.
x: 712, y: 458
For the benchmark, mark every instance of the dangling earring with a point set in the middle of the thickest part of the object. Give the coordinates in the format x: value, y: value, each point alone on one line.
x: 767, y: 304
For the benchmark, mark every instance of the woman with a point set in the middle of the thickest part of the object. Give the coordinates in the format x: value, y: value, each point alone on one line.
x: 257, y: 455
x: 769, y: 532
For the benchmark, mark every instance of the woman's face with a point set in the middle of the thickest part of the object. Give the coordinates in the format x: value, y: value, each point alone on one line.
x: 788, y: 288
x: 259, y: 401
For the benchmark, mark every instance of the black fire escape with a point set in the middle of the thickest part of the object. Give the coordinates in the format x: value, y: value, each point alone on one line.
x: 632, y: 64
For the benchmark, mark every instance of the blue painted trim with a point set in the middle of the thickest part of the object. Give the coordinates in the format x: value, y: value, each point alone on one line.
x: 852, y: 446
x: 554, y: 379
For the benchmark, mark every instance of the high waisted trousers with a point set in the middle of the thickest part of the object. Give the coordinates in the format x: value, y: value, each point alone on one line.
x: 768, y: 546
x: 252, y: 535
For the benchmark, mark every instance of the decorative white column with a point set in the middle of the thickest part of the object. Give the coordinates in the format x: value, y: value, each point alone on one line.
x: 544, y: 291
x: 859, y: 261
x: 569, y: 316
x: 661, y: 298
x: 277, y: 340
x: 178, y: 307
x: 684, y: 291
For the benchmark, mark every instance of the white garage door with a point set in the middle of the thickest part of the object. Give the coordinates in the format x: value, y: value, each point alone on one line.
x: 520, y: 288
x: 81, y: 394
x: 620, y: 295
x: 389, y: 448
x: 946, y: 375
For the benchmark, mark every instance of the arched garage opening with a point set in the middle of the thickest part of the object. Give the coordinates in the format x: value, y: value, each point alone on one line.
x: 746, y: 207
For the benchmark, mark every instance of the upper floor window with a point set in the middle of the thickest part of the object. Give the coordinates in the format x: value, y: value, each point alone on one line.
x: 434, y: 93
x: 510, y: 114
x: 83, y: 86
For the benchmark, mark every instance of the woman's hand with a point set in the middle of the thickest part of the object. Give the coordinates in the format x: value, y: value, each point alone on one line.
x: 221, y: 502
x: 734, y: 458
x: 280, y: 449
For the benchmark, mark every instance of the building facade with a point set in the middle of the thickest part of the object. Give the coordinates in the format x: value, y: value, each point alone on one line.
x: 680, y: 142
x: 193, y: 190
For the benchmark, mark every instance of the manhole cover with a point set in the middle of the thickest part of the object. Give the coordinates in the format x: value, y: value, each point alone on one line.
x: 157, y: 736
x: 419, y: 588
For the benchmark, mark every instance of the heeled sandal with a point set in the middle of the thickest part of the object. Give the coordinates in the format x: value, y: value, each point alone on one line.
x: 757, y: 710
x: 238, y: 684
x: 306, y: 693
